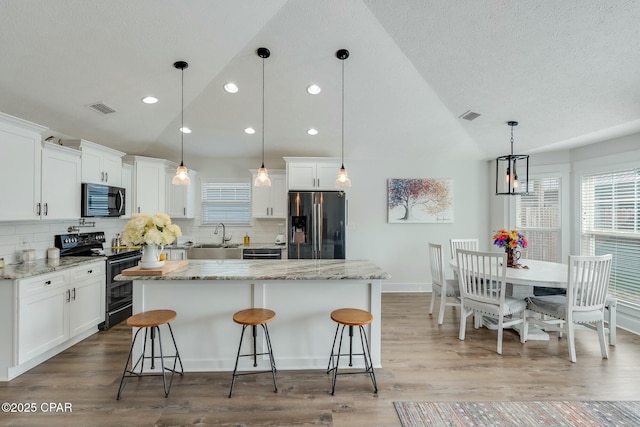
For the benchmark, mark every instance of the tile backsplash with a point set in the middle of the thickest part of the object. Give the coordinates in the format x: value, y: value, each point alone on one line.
x: 18, y: 235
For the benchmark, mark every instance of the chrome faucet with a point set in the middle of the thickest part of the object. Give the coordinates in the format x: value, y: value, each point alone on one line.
x: 225, y: 239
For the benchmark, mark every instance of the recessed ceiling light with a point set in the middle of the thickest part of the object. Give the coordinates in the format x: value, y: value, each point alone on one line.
x: 149, y: 99
x: 314, y: 89
x: 249, y: 131
x: 231, y: 87
x: 312, y: 131
x: 185, y: 130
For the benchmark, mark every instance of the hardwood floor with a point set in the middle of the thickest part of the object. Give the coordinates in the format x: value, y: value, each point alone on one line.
x: 421, y: 361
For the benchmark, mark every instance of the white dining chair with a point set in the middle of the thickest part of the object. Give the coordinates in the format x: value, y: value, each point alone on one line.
x: 467, y: 244
x: 441, y: 287
x: 584, y: 302
x: 483, y: 288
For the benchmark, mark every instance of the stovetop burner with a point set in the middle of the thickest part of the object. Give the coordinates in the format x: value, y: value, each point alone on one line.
x: 88, y: 244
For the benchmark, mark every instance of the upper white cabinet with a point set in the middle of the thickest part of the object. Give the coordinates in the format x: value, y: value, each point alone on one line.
x: 60, y: 197
x: 149, y: 184
x: 312, y: 173
x: 181, y: 199
x: 100, y: 165
x: 270, y: 202
x: 127, y: 184
x: 20, y: 145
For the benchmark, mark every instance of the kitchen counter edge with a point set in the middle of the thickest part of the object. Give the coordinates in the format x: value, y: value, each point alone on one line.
x: 44, y: 266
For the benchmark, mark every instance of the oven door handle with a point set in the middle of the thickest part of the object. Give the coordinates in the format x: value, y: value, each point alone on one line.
x: 122, y: 260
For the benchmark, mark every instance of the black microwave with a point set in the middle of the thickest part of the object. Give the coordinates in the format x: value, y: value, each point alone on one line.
x: 102, y: 200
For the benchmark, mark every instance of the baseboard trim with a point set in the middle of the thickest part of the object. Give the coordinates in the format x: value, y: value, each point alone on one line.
x: 405, y: 287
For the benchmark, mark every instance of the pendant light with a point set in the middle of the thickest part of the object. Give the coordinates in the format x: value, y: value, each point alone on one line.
x: 343, y: 177
x: 262, y: 178
x: 182, y: 174
x: 507, y: 180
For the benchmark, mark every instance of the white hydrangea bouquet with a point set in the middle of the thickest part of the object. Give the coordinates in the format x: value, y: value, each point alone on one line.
x: 152, y: 232
x: 145, y: 229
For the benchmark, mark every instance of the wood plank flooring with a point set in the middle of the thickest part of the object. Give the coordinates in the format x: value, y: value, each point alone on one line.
x: 421, y: 361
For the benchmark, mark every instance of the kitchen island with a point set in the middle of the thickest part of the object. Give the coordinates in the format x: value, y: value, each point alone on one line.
x: 206, y: 294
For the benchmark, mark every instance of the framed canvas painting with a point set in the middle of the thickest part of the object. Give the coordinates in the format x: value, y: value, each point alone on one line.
x: 428, y: 200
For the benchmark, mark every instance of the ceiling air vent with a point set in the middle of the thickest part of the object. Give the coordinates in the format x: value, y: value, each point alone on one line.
x: 101, y: 108
x: 469, y: 115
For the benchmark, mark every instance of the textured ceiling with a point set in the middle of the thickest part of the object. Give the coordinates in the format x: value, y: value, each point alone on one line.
x: 568, y: 71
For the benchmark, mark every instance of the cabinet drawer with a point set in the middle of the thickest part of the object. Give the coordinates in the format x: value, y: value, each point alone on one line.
x: 87, y: 271
x: 44, y: 282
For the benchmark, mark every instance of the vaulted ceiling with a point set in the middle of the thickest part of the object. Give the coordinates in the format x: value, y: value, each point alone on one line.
x: 567, y: 71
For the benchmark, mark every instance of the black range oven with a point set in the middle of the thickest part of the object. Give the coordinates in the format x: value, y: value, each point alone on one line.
x: 119, y: 295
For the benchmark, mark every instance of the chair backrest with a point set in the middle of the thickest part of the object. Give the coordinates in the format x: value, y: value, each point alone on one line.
x: 437, y: 264
x: 466, y: 244
x: 588, y: 282
x: 482, y: 276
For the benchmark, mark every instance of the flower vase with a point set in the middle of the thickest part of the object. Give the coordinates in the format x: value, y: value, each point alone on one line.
x: 151, y: 256
x: 512, y: 256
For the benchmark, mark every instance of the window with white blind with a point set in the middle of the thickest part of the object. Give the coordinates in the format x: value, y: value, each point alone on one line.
x: 226, y: 202
x: 539, y: 218
x: 610, y: 224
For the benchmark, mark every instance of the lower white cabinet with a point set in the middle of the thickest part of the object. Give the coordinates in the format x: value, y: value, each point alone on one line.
x: 55, y: 307
x: 176, y: 254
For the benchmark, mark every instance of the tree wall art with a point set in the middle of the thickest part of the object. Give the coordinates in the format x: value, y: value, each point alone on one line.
x: 427, y: 200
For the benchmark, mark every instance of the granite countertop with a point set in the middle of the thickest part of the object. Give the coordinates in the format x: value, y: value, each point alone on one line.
x: 233, y: 269
x: 251, y: 246
x: 43, y: 266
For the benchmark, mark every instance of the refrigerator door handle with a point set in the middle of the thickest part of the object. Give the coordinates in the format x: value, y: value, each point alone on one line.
x: 314, y: 227
x: 319, y: 222
x: 347, y: 215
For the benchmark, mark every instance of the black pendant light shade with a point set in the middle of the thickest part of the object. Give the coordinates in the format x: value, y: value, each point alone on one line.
x: 182, y: 174
x: 262, y: 178
x: 512, y: 172
x: 343, y: 177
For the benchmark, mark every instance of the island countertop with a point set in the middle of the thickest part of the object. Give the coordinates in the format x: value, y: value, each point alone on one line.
x: 232, y: 269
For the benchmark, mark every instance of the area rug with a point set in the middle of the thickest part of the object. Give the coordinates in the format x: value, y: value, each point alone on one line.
x: 517, y: 414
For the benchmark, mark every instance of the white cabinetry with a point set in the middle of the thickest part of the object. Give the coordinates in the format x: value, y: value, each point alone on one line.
x: 270, y: 202
x: 176, y: 254
x: 43, y: 315
x: 181, y: 199
x: 127, y: 184
x: 56, y: 307
x: 312, y: 173
x: 149, y: 182
x: 60, y: 197
x: 100, y: 165
x: 20, y: 145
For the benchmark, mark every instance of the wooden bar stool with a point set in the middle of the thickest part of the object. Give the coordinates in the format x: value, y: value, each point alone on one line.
x: 254, y: 317
x: 150, y: 321
x: 351, y: 317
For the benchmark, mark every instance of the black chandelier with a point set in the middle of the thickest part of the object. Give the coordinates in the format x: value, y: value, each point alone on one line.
x: 508, y: 182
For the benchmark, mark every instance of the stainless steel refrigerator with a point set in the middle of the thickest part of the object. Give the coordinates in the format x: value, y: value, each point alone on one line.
x: 316, y: 225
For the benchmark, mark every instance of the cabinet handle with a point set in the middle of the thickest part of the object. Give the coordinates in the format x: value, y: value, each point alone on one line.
x: 102, y: 176
x: 38, y: 208
x: 267, y: 211
x: 74, y: 294
x: 46, y: 209
x: 138, y: 209
x: 184, y: 211
x: 90, y: 271
x: 271, y: 211
x: 68, y: 295
x: 318, y: 182
x: 47, y: 283
x: 106, y: 176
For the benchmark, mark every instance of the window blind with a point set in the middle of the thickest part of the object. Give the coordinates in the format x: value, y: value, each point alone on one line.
x: 610, y: 224
x: 226, y: 202
x: 539, y: 218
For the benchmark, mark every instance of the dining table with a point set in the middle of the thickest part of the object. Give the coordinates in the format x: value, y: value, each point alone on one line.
x: 523, y: 277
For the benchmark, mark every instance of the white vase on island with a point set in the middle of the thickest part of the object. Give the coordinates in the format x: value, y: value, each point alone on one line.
x: 151, y: 256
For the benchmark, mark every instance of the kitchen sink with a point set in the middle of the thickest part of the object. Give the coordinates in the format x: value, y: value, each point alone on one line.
x: 215, y: 252
x: 219, y: 245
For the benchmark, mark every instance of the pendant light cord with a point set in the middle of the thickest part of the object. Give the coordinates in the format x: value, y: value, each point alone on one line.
x: 262, y: 112
x: 342, y: 114
x: 182, y: 121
